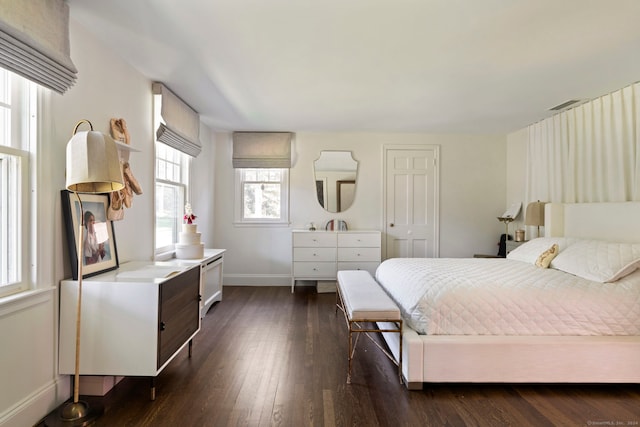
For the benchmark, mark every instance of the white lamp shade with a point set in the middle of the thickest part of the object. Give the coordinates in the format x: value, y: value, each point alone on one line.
x: 535, y: 214
x: 93, y: 165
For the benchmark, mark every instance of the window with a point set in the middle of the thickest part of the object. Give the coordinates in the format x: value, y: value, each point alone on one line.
x: 17, y: 115
x: 263, y: 196
x: 172, y: 180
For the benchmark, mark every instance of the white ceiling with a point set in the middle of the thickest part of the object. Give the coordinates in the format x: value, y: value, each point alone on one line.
x: 437, y: 66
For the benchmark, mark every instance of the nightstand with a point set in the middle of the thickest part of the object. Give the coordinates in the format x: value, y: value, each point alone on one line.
x: 512, y: 244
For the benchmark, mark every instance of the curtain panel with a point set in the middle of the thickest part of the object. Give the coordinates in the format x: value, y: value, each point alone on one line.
x: 590, y: 153
x: 181, y: 127
x: 34, y: 42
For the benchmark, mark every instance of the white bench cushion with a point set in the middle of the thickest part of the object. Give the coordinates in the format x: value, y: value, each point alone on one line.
x: 363, y: 297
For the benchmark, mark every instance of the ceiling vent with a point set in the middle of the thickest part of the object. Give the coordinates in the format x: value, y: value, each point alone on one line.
x: 567, y: 104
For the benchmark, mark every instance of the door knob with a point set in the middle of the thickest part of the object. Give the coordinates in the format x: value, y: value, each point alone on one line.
x: 391, y: 225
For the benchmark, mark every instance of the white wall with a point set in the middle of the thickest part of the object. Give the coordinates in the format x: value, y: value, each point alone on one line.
x: 109, y: 88
x: 203, y: 187
x: 472, y: 195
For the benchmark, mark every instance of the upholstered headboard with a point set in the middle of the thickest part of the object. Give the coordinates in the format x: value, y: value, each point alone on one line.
x: 615, y: 222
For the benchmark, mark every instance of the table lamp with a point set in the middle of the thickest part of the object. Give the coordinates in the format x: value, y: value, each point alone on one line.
x: 535, y: 215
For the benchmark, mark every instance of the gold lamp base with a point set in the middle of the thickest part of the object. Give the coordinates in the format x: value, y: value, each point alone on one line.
x: 506, y: 220
x: 74, y: 414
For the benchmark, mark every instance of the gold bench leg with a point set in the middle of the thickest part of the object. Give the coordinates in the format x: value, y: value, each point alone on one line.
x: 400, y: 354
x: 350, y: 355
x: 356, y: 328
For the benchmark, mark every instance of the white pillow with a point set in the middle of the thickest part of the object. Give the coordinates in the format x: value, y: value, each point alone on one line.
x: 531, y: 250
x: 598, y: 260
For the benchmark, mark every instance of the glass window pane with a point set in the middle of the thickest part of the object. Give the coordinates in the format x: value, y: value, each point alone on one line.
x: 17, y: 130
x: 159, y: 171
x: 169, y: 204
x: 175, y: 173
x: 5, y: 108
x: 261, y: 200
x: 172, y: 167
x: 275, y: 175
x: 262, y: 195
x: 250, y: 175
x: 5, y: 88
x: 10, y: 226
x: 5, y: 126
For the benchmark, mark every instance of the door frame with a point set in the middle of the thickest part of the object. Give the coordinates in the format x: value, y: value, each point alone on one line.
x: 424, y: 147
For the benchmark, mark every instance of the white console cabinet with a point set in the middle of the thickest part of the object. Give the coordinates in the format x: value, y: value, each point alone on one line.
x: 319, y: 255
x: 134, y: 319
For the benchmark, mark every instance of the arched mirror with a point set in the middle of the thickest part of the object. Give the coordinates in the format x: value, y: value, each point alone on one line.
x: 335, y: 173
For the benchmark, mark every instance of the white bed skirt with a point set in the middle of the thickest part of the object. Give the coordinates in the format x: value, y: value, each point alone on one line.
x: 517, y: 359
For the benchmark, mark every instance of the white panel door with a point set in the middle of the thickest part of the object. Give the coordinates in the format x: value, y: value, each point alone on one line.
x: 411, y: 201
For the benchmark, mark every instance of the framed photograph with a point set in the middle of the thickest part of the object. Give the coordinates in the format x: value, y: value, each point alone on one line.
x: 99, y: 246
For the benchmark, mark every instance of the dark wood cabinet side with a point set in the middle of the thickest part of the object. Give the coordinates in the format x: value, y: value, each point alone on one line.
x: 179, y: 312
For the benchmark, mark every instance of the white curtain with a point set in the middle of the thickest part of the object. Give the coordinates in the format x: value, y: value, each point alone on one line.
x: 34, y: 42
x: 590, y: 153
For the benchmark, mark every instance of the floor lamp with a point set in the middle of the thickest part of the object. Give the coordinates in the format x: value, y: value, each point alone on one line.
x: 93, y: 166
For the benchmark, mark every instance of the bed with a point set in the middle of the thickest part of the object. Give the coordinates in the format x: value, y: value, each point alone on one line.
x: 510, y: 320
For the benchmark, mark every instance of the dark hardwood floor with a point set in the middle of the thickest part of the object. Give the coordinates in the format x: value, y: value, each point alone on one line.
x: 267, y: 357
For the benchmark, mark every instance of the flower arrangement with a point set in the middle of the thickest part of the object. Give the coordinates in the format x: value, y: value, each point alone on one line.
x: 189, y: 217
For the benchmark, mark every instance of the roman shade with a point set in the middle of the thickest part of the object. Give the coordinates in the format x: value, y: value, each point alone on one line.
x: 34, y: 42
x: 180, y: 127
x: 262, y: 149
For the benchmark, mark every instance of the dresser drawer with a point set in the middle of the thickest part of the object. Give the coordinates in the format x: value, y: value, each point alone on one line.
x: 314, y: 254
x: 371, y: 267
x: 314, y: 269
x: 358, y: 254
x: 314, y: 240
x: 359, y: 240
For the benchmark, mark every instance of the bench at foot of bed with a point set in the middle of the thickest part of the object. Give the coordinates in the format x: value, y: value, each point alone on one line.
x: 362, y: 300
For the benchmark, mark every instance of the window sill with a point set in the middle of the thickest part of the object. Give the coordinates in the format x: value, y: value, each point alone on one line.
x: 261, y: 224
x: 164, y: 256
x: 23, y: 300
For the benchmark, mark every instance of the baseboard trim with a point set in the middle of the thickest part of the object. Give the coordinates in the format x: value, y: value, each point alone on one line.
x: 257, y: 280
x: 32, y: 409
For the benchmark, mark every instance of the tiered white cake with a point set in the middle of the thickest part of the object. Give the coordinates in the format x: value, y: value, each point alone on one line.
x: 189, y: 245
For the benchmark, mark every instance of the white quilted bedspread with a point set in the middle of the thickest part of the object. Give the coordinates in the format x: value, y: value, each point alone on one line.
x: 478, y: 296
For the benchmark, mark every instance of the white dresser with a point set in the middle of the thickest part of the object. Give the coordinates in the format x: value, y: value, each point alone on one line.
x: 319, y: 255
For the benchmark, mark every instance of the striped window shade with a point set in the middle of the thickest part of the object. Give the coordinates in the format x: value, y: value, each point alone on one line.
x: 180, y: 124
x: 262, y: 149
x: 34, y: 42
